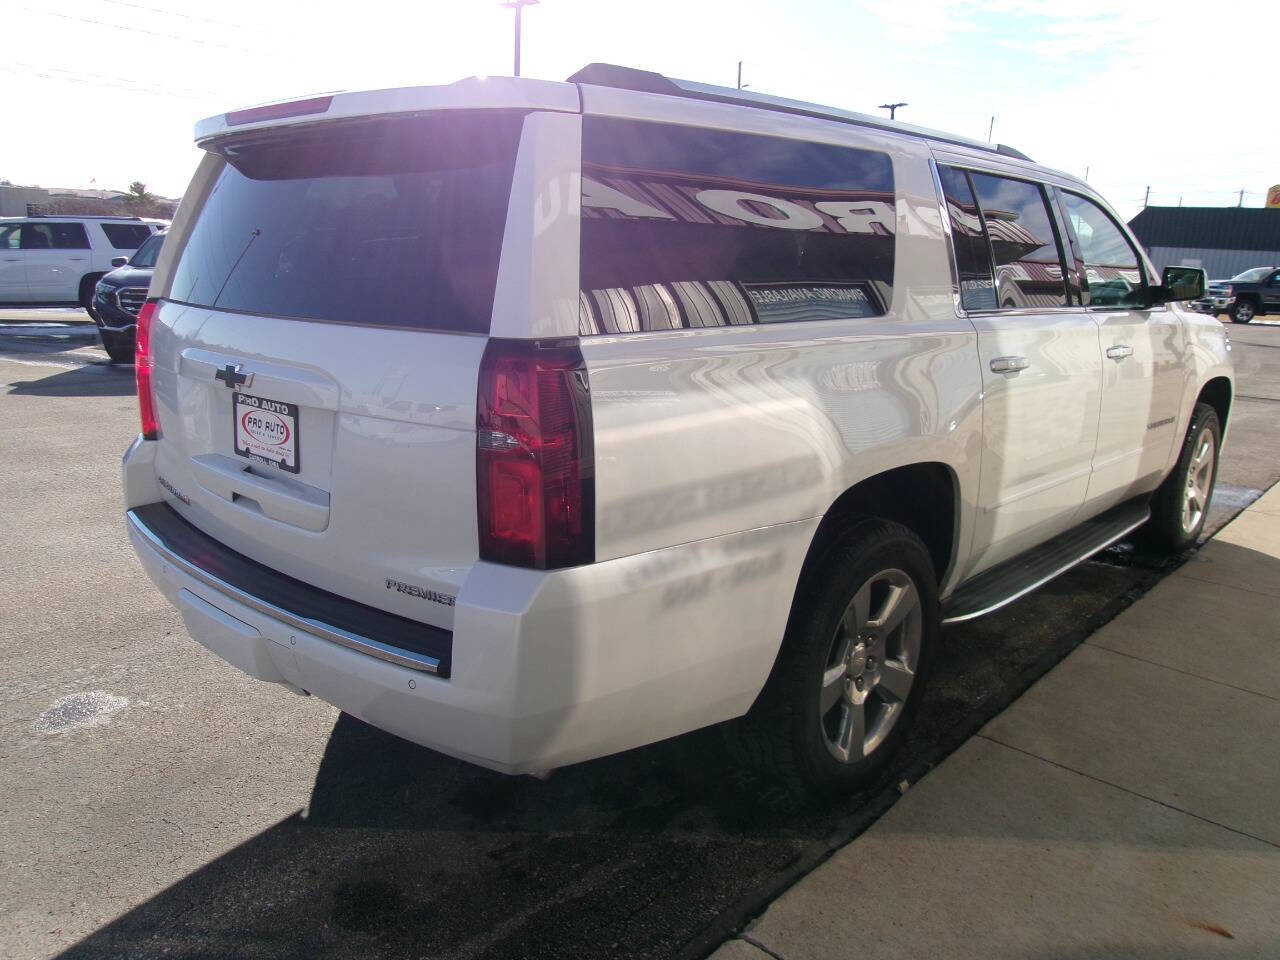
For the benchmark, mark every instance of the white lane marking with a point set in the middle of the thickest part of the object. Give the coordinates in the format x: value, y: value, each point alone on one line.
x: 64, y: 364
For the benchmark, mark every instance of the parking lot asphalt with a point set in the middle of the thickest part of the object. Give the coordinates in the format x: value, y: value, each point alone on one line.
x: 154, y: 801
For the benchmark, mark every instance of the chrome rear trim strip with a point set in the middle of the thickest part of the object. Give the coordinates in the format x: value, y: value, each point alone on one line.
x: 402, y: 658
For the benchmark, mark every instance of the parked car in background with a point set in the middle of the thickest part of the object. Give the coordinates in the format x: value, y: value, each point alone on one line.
x: 538, y: 421
x: 119, y: 296
x: 1250, y: 294
x: 1214, y: 301
x: 57, y: 260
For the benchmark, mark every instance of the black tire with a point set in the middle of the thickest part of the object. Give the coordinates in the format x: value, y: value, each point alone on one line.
x: 1244, y: 311
x: 1174, y: 526
x: 119, y: 346
x: 86, y: 294
x: 786, y: 735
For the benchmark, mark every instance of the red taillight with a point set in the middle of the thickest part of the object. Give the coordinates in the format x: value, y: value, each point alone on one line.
x: 144, y: 363
x: 535, y: 463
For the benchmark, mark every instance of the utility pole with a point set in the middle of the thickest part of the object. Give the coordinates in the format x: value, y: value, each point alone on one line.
x: 892, y: 108
x: 741, y: 85
x: 1146, y: 198
x: 1241, y: 203
x: 517, y: 6
x: 991, y: 128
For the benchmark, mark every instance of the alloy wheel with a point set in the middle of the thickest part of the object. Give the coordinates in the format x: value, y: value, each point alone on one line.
x: 871, y: 666
x: 1195, y: 500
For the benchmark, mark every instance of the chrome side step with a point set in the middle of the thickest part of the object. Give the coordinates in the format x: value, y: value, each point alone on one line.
x: 1017, y: 577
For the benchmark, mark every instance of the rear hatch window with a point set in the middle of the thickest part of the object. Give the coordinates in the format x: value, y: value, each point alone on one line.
x: 394, y: 222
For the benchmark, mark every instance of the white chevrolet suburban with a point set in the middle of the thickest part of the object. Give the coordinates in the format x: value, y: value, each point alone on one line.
x: 537, y: 421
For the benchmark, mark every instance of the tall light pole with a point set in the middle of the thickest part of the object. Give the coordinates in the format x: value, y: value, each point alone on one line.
x: 891, y: 107
x: 517, y: 6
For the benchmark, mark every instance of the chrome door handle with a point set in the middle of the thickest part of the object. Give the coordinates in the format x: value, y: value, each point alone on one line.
x: 1119, y: 351
x: 1009, y: 364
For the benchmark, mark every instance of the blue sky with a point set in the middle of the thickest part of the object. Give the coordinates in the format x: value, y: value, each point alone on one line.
x: 1140, y: 95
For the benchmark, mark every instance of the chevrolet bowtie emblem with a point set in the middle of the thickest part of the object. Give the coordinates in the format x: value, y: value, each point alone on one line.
x: 232, y: 376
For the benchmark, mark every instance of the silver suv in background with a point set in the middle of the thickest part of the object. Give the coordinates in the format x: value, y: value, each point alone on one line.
x: 537, y: 421
x: 56, y: 260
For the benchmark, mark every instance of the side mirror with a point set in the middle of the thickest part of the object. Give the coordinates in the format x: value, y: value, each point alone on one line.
x: 119, y: 261
x: 1181, y: 283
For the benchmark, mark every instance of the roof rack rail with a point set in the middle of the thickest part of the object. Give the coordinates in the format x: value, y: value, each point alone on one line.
x: 79, y: 216
x: 647, y: 81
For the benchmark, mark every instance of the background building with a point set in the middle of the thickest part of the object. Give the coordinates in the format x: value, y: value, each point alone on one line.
x: 1223, y: 240
x: 18, y: 201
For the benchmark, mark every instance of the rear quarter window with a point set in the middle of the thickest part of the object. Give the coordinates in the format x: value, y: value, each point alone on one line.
x: 388, y: 222
x: 683, y: 228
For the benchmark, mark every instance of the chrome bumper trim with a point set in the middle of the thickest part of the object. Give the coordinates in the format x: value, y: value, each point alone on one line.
x: 402, y: 658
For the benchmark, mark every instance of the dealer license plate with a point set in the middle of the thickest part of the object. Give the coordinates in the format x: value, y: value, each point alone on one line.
x: 266, y: 430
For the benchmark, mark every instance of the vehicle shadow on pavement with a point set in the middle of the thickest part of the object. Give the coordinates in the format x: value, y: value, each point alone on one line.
x: 405, y: 852
x: 90, y: 380
x: 662, y: 851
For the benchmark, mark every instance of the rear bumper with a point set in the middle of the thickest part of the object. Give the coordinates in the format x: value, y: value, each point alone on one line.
x: 547, y: 668
x: 370, y: 631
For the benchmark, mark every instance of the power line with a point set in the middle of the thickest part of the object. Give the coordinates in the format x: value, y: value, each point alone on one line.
x: 146, y: 86
x: 175, y: 13
x: 150, y: 33
x: 100, y: 82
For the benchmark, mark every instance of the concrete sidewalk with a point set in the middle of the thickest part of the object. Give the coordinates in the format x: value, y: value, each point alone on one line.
x: 1128, y: 805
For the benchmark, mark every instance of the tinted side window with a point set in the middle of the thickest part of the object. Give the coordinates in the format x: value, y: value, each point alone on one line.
x: 37, y: 236
x: 9, y: 235
x: 54, y: 236
x: 684, y: 227
x: 126, y: 236
x: 969, y: 236
x: 1024, y: 246
x: 69, y: 236
x: 1110, y: 262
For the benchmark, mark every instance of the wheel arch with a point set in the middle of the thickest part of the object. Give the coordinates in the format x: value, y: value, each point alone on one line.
x: 923, y: 497
x: 88, y: 282
x: 1217, y: 393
